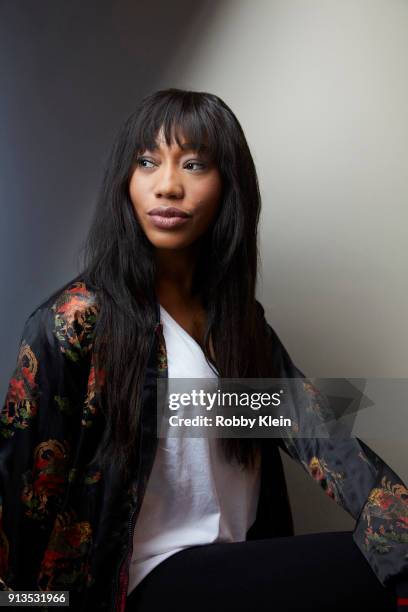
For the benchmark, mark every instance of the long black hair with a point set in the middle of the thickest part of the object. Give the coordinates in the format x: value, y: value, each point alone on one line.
x: 119, y: 261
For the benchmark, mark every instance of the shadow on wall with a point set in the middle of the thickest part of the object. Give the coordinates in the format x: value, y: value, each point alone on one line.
x: 71, y: 73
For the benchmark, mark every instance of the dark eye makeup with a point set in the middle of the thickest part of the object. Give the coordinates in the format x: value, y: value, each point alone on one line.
x: 140, y: 162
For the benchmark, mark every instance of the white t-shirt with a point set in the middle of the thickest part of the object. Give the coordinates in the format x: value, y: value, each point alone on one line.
x: 193, y: 496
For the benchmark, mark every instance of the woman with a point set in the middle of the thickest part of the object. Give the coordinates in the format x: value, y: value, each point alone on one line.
x: 93, y: 502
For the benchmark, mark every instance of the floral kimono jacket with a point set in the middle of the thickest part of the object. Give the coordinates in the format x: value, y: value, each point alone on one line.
x: 64, y: 526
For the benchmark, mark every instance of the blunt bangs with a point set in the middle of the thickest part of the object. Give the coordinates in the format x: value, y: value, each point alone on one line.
x: 179, y: 118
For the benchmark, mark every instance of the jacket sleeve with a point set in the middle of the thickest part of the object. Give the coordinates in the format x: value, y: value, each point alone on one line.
x: 351, y: 474
x: 34, y: 454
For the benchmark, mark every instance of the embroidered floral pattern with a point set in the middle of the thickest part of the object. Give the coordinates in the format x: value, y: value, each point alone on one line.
x: 91, y: 478
x: 75, y: 315
x: 65, y: 559
x: 318, y: 404
x: 20, y: 405
x: 388, y: 502
x: 326, y: 478
x: 45, y: 482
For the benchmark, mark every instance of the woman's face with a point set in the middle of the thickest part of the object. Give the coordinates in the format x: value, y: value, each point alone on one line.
x: 175, y: 177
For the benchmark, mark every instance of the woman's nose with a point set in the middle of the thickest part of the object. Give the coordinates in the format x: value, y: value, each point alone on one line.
x: 169, y: 183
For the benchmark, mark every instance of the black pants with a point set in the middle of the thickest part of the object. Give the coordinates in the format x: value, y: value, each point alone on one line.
x: 323, y: 572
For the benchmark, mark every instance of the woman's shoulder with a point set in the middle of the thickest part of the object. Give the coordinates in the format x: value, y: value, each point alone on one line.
x: 69, y: 314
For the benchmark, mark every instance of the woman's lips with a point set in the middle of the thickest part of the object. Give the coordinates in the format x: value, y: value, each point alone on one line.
x: 167, y: 222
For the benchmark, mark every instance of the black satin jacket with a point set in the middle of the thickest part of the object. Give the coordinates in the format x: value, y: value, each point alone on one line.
x: 65, y: 526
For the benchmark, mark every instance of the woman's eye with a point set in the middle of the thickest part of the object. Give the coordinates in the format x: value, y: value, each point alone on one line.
x: 141, y: 160
x: 196, y: 164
